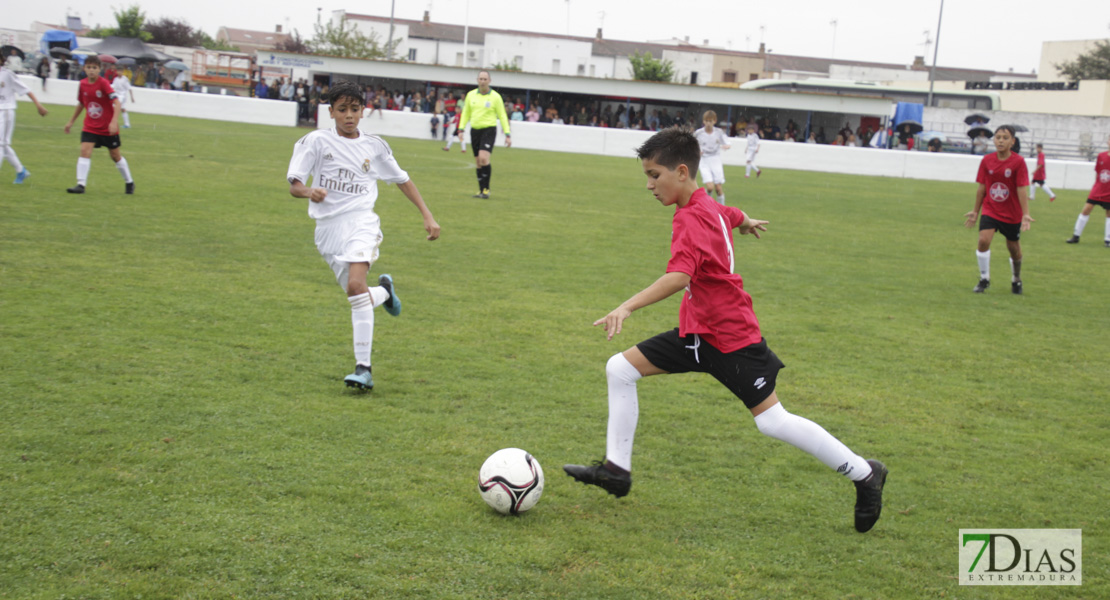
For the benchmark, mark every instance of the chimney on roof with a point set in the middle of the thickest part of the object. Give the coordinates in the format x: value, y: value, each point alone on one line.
x: 762, y: 48
x: 919, y: 61
x: 597, y: 38
x: 706, y: 42
x: 687, y: 39
x: 427, y: 16
x: 277, y: 28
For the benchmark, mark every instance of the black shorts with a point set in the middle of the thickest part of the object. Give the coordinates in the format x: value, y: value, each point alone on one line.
x: 1105, y: 205
x: 106, y: 141
x: 749, y: 373
x: 1038, y: 182
x: 1011, y: 231
x: 483, y: 139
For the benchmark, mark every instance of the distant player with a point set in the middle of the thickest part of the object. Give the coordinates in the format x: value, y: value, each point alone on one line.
x: 344, y: 165
x: 101, y: 103
x: 122, y: 85
x: 1039, y: 177
x: 1100, y: 196
x: 482, y: 109
x: 11, y: 86
x: 712, y: 141
x: 1003, y: 184
x: 717, y: 333
x: 454, y: 125
x: 753, y: 149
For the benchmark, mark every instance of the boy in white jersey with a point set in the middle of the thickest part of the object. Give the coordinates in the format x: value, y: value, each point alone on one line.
x: 712, y: 141
x: 11, y: 87
x: 345, y: 165
x: 122, y: 85
x: 753, y: 149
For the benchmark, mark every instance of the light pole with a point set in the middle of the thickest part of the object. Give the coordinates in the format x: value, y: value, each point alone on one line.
x: 936, y: 48
x: 833, y: 23
x: 389, y: 44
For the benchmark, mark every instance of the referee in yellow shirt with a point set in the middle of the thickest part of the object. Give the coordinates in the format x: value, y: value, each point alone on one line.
x: 482, y: 108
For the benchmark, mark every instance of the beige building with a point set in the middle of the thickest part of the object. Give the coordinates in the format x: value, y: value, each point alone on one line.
x: 1058, y: 53
x: 251, y: 41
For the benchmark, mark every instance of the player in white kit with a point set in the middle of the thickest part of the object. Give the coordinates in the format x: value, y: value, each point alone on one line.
x: 712, y: 141
x: 12, y: 86
x: 345, y: 165
x: 753, y: 149
x: 122, y: 85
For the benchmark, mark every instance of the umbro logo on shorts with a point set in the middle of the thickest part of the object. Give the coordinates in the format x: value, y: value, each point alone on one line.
x: 759, y: 383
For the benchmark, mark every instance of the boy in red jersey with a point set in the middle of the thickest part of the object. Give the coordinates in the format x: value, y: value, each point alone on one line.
x: 1002, y: 196
x: 101, y: 103
x: 717, y: 333
x: 1039, y: 177
x: 1100, y: 196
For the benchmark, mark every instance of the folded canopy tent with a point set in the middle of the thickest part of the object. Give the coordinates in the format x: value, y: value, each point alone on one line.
x: 120, y: 47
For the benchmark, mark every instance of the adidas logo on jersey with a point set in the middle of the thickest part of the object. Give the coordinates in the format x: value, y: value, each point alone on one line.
x: 328, y: 156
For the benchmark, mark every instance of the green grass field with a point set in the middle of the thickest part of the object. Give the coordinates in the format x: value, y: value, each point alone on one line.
x: 173, y: 422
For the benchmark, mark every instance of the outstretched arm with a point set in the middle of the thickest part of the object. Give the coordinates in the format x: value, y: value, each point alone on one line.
x: 663, y: 288
x: 752, y: 226
x: 38, y: 105
x: 408, y: 188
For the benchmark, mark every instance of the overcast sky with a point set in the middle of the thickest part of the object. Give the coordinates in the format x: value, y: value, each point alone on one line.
x: 974, y: 33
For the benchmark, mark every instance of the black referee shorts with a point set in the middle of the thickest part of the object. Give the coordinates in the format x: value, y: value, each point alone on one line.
x: 483, y: 139
x: 749, y: 373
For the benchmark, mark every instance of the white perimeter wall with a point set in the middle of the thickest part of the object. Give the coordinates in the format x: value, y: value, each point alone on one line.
x: 177, y: 104
x: 1062, y: 174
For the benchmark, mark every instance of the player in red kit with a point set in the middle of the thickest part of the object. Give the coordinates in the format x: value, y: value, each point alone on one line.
x: 1039, y: 177
x: 101, y: 104
x: 717, y: 334
x: 1002, y: 196
x: 1100, y: 197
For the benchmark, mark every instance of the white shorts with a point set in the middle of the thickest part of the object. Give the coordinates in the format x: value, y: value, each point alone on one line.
x: 711, y: 169
x: 348, y: 238
x: 7, y: 126
x: 751, y: 155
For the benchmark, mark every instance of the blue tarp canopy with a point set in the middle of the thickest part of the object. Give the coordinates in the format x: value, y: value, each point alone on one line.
x: 908, y: 111
x: 57, y: 38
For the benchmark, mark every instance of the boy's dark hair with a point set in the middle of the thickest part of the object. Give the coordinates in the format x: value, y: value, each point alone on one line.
x: 1009, y: 128
x: 346, y: 89
x: 93, y: 60
x: 671, y: 147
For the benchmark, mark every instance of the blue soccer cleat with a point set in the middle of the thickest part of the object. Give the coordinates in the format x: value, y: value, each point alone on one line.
x: 20, y: 176
x: 361, y: 378
x: 393, y: 305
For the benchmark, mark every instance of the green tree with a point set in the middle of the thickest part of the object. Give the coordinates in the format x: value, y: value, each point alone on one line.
x: 294, y: 43
x: 345, y: 40
x: 506, y: 65
x: 1092, y: 65
x: 129, y: 24
x: 646, y: 67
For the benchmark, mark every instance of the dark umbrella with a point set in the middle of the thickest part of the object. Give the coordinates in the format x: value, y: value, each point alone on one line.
x: 1019, y: 128
x: 59, y: 52
x: 6, y: 51
x: 915, y: 127
x: 126, y: 61
x: 975, y: 131
x: 977, y: 118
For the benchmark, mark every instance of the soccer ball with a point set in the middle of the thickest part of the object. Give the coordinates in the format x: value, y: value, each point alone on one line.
x: 510, y: 481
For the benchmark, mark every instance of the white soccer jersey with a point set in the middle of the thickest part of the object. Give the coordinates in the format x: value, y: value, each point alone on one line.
x: 348, y: 169
x: 122, y: 86
x: 711, y: 142
x: 753, y: 142
x: 11, y: 86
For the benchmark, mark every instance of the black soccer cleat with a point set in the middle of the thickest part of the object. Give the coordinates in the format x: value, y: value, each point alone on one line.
x: 982, y: 286
x: 1072, y: 240
x: 1015, y: 287
x: 869, y: 497
x: 129, y: 187
x: 1106, y: 243
x: 77, y: 189
x: 598, y: 474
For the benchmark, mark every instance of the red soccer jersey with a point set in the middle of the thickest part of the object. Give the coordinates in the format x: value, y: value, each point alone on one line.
x: 1003, y: 178
x: 715, y: 305
x: 1039, y: 172
x: 1101, y: 190
x: 97, y: 99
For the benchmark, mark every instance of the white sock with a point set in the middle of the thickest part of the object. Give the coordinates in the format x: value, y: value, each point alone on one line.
x: 362, y: 321
x: 1049, y: 190
x: 126, y: 119
x: 378, y: 295
x: 748, y: 170
x: 1107, y: 238
x: 1033, y: 192
x: 9, y: 154
x: 721, y: 199
x: 1080, y: 223
x: 83, y: 166
x: 624, y: 410
x: 984, y: 259
x: 810, y: 437
x: 121, y: 166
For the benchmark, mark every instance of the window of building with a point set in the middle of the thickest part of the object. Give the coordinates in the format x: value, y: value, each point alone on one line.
x: 729, y: 76
x: 458, y: 59
x: 555, y: 66
x: 518, y: 61
x: 412, y: 54
x: 693, y: 77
